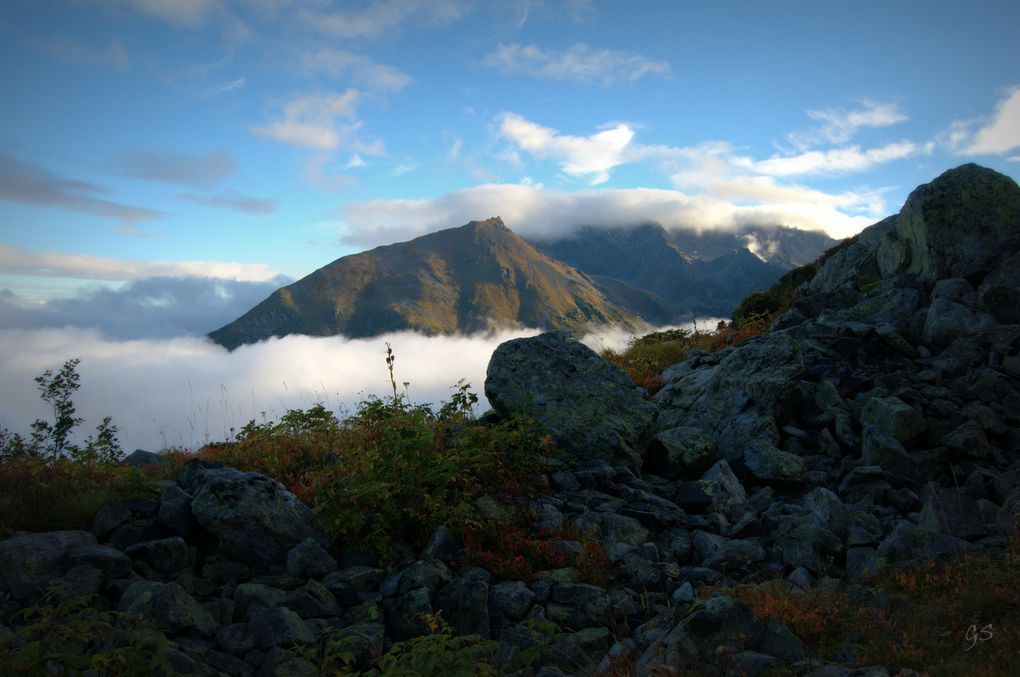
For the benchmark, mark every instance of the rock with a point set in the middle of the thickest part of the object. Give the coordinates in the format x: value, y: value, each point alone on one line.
x: 255, y: 519
x: 728, y: 554
x: 946, y: 321
x: 677, y: 451
x: 312, y: 600
x: 725, y: 491
x: 112, y: 562
x: 958, y: 225
x: 140, y: 457
x: 999, y: 294
x: 582, y: 605
x: 723, y: 622
x: 403, y: 617
x: 767, y: 463
x: 465, y: 602
x: 167, y: 556
x: 442, y: 546
x: 428, y: 574
x: 591, y: 408
x: 347, y: 583
x: 952, y: 512
x: 27, y: 560
x: 168, y: 607
x: 308, y: 559
x: 175, y: 511
x: 909, y: 542
x: 279, y: 627
x: 510, y: 600
x: 250, y: 598
x: 893, y: 418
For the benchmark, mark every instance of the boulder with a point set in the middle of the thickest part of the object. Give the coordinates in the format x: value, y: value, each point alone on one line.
x: 255, y: 519
x: 958, y: 225
x: 590, y: 407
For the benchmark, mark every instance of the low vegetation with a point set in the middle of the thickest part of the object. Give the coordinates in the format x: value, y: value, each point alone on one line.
x: 393, y: 471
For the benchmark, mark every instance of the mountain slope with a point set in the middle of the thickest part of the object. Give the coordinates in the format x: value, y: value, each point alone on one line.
x: 461, y: 279
x: 667, y: 276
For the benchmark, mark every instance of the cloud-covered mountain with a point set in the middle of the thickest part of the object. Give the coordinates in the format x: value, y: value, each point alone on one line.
x: 483, y: 275
x: 457, y: 280
x: 670, y: 276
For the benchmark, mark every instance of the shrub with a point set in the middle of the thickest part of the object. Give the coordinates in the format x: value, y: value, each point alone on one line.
x: 66, y: 636
x: 392, y: 470
x: 440, y: 653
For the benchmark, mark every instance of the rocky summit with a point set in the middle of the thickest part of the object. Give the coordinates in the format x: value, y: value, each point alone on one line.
x: 875, y: 425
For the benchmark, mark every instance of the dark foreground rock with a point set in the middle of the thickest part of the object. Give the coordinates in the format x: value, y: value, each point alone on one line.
x: 591, y: 408
x: 874, y: 426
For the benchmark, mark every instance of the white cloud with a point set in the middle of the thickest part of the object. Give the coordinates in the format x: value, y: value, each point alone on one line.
x: 189, y: 391
x: 355, y: 162
x: 1000, y: 135
x: 840, y: 125
x: 592, y: 156
x: 363, y: 71
x: 836, y: 160
x: 579, y: 63
x: 384, y: 17
x: 535, y: 212
x: 18, y: 261
x: 310, y: 120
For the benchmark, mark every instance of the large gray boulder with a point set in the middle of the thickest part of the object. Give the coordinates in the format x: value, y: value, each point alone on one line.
x: 958, y: 225
x: 736, y: 400
x: 590, y: 407
x: 255, y: 519
x: 30, y: 560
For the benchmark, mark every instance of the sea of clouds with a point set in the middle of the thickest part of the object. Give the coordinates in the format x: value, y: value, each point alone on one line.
x: 188, y: 391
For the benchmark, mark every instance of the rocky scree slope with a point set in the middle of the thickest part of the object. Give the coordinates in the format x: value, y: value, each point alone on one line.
x: 873, y: 426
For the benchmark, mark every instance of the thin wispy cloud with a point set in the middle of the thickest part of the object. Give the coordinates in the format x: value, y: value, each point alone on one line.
x: 357, y: 68
x: 32, y: 184
x: 19, y: 261
x: 184, y: 169
x: 383, y: 17
x: 112, y: 56
x: 180, y: 13
x: 311, y: 120
x: 233, y: 200
x: 833, y: 161
x: 577, y: 63
x: 839, y: 125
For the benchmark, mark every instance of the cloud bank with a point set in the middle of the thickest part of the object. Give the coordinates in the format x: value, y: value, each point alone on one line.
x: 156, y: 307
x: 535, y: 212
x: 186, y: 392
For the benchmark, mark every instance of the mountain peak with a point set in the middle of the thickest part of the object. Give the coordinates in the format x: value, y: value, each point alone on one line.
x: 461, y: 279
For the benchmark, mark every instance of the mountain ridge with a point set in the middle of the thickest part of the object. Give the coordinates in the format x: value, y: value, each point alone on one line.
x: 458, y: 279
x: 482, y: 274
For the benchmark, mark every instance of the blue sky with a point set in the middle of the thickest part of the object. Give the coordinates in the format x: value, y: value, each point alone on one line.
x: 165, y: 165
x: 270, y: 137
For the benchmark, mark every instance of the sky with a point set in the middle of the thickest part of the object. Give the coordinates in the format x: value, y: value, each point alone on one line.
x: 165, y: 165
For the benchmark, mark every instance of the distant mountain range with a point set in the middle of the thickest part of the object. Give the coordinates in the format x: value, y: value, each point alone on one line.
x: 482, y: 275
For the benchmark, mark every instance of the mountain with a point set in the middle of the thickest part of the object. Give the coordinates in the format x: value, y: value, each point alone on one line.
x: 461, y: 279
x: 669, y: 276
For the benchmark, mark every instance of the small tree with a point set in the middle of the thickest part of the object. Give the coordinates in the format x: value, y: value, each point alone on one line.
x: 57, y: 390
x: 53, y: 439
